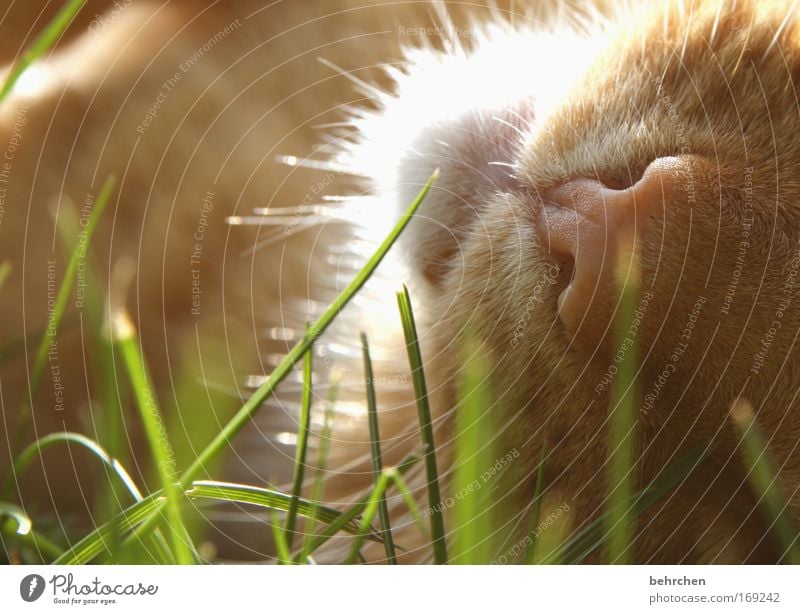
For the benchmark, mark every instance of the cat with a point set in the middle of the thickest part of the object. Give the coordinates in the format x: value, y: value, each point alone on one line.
x: 576, y: 148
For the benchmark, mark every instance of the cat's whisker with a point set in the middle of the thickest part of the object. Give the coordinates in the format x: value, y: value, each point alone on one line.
x: 789, y: 14
x: 320, y: 165
x: 715, y: 25
x: 524, y: 120
x: 510, y: 125
x: 365, y: 87
x: 688, y: 29
x: 294, y: 212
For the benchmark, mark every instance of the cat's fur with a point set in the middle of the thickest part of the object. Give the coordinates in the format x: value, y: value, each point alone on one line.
x: 707, y: 87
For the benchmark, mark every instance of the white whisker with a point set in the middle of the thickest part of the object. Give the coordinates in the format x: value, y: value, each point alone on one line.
x: 780, y: 30
x: 368, y: 89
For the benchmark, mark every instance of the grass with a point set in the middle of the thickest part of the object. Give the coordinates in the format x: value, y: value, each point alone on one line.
x: 536, y: 508
x: 624, y: 403
x: 765, y: 483
x: 473, y: 513
x: 64, y: 293
x: 302, y: 447
x: 41, y: 45
x: 124, y: 335
x: 375, y: 447
x: 318, y: 488
x: 426, y: 427
x: 150, y: 524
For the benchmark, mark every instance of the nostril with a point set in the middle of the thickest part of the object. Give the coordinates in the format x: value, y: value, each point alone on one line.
x: 621, y: 178
x: 584, y: 222
x: 566, y: 270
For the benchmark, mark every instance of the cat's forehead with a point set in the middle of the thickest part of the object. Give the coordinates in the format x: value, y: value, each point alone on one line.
x: 680, y: 40
x: 711, y: 78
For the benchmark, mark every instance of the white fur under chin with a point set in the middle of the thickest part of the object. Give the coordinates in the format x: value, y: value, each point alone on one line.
x: 452, y: 109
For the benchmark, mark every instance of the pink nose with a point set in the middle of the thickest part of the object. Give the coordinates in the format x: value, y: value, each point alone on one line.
x: 585, y: 224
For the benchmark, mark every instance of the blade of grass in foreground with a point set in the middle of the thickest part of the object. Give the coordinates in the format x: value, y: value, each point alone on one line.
x: 764, y: 481
x: 40, y: 445
x: 536, y: 512
x: 359, y: 507
x: 95, y: 542
x: 243, y: 416
x: 124, y: 337
x: 322, y: 463
x: 42, y: 44
x: 375, y: 446
x: 23, y: 533
x: 302, y: 445
x: 59, y: 308
x: 107, y: 421
x: 37, y: 447
x: 9, y: 510
x: 472, y: 527
x: 411, y: 503
x: 622, y: 433
x: 279, y: 535
x: 370, y: 509
x: 426, y: 426
x: 45, y: 549
x: 594, y: 535
x: 5, y: 270
x: 267, y: 498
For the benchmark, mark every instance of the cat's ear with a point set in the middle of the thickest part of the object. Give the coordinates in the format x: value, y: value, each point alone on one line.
x: 597, y: 232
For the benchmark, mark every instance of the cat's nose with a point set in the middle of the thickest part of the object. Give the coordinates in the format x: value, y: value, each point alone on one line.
x: 588, y: 225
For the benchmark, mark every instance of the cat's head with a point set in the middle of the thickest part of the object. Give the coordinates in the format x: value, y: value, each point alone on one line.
x: 672, y: 130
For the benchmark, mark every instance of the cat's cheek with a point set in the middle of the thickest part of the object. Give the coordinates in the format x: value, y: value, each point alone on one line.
x: 475, y: 154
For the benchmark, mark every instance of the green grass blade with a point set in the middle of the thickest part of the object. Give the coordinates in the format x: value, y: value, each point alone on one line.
x: 108, y: 422
x: 23, y: 533
x: 298, y: 351
x: 35, y: 449
x: 536, y: 512
x: 356, y: 510
x: 375, y: 448
x: 594, y: 534
x: 40, y: 445
x: 764, y: 481
x: 59, y: 308
x: 5, y: 271
x: 370, y: 510
x: 279, y: 535
x: 95, y: 543
x: 472, y: 526
x: 42, y: 44
x: 303, y: 430
x: 622, y: 435
x: 9, y: 510
x: 125, y: 338
x: 426, y: 427
x: 267, y: 498
x: 243, y: 416
x: 322, y: 463
x: 45, y: 549
x: 411, y: 503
